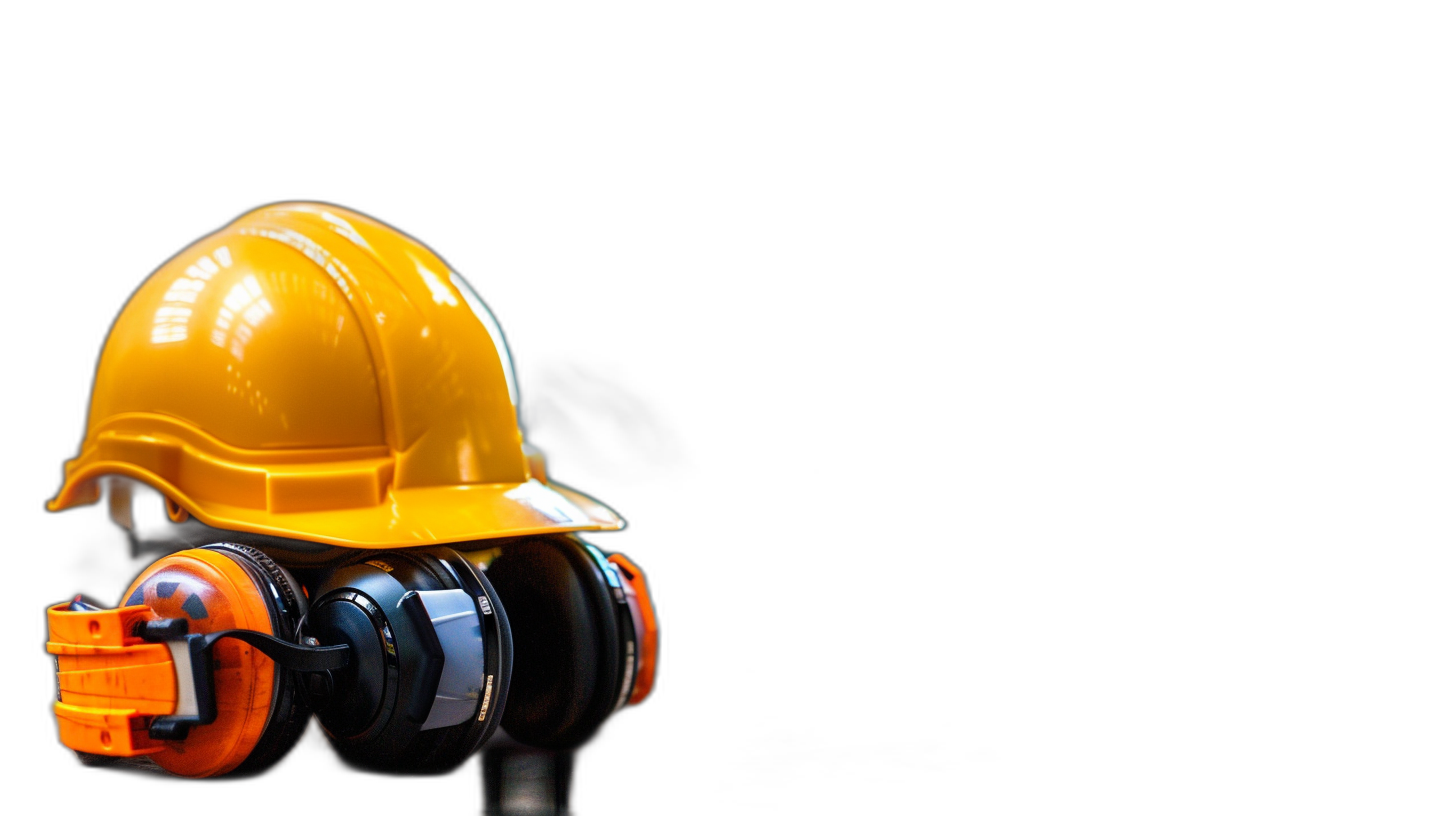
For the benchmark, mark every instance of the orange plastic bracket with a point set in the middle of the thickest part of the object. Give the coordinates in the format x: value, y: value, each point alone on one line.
x: 111, y: 683
x: 647, y: 666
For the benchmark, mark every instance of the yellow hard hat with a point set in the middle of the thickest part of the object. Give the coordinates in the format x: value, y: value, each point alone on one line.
x: 312, y: 373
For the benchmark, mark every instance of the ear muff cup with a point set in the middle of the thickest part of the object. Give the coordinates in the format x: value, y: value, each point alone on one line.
x: 568, y: 661
x: 290, y: 701
x: 368, y: 723
x: 261, y: 709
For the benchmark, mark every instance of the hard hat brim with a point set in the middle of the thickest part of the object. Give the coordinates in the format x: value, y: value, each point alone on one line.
x: 407, y: 517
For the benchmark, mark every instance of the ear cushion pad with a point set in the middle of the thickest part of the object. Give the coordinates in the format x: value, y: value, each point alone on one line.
x: 565, y: 626
x: 290, y: 711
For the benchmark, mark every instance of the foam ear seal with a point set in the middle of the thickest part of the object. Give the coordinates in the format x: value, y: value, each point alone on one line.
x: 290, y: 711
x: 568, y: 661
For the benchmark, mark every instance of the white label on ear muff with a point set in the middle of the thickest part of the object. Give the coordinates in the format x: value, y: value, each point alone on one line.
x: 484, y: 605
x: 485, y: 698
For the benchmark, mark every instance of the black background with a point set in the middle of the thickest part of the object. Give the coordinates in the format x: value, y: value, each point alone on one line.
x: 772, y: 363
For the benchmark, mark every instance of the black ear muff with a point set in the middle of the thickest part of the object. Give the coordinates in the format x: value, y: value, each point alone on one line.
x: 575, y: 646
x: 432, y: 659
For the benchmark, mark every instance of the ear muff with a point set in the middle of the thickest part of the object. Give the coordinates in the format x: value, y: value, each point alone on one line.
x: 433, y: 659
x: 261, y: 708
x: 644, y: 623
x: 575, y: 645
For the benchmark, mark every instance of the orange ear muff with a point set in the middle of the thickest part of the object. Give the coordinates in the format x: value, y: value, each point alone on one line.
x: 644, y: 620
x: 260, y: 713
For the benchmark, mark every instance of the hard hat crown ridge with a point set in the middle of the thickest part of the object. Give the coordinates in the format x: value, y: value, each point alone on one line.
x: 310, y: 372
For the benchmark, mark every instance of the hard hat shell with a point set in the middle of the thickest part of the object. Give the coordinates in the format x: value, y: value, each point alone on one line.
x: 309, y: 372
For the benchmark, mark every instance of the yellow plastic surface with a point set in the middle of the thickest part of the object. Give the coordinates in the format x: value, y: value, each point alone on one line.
x: 309, y: 372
